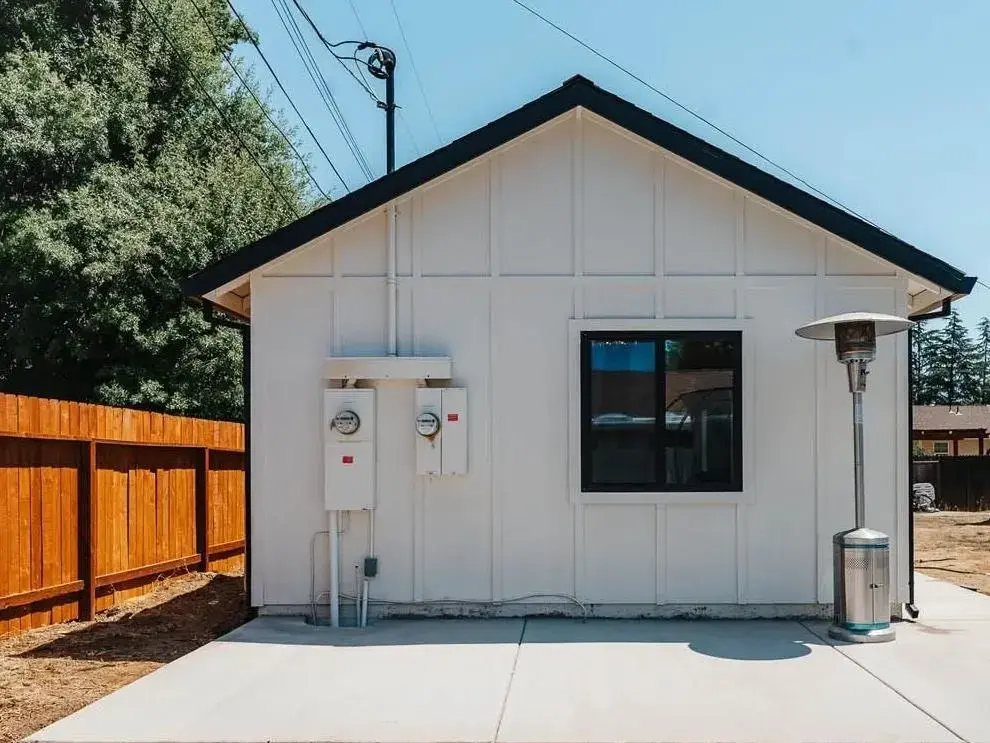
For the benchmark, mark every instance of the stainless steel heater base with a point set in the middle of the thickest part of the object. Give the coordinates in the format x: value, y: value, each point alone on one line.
x: 885, y: 634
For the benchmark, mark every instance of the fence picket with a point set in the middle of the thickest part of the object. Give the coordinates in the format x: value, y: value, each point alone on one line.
x: 88, y: 491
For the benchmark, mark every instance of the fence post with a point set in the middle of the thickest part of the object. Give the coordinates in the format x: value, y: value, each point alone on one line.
x: 203, y: 509
x: 86, y: 530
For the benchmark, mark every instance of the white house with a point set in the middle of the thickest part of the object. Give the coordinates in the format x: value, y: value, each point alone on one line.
x: 584, y: 270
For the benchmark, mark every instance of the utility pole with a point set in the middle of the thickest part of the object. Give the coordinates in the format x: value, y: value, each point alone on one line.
x: 381, y: 64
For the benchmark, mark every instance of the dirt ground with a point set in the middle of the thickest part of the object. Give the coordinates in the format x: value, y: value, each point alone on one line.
x: 954, y: 546
x: 49, y: 672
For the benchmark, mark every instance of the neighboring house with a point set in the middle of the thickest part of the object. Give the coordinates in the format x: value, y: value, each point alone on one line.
x: 583, y: 269
x: 951, y: 430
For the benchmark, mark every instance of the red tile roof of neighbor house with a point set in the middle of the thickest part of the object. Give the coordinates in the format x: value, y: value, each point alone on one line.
x: 951, y: 417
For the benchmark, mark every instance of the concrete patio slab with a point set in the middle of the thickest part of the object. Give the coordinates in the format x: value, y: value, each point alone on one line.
x: 556, y: 680
x: 278, y: 679
x: 698, y: 681
x: 941, y: 661
x: 941, y: 600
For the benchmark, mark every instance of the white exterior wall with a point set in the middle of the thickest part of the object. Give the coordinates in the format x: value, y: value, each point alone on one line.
x: 576, y: 220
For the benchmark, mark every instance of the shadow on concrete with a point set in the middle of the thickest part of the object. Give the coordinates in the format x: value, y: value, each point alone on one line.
x: 160, y: 633
x: 743, y: 640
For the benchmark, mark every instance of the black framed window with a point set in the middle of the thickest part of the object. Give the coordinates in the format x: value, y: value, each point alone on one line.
x: 661, y: 411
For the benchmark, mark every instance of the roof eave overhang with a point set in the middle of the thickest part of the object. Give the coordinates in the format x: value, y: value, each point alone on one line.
x: 575, y: 93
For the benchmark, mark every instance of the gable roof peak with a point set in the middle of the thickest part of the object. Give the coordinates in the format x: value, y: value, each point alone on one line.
x: 580, y: 92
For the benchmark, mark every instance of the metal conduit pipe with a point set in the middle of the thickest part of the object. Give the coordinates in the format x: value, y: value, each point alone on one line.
x: 392, y: 334
x: 334, y: 536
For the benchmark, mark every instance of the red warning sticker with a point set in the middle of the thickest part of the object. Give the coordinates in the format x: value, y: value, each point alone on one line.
x: 452, y: 417
x: 347, y: 459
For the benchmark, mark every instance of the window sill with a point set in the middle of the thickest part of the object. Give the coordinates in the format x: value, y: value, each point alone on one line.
x: 663, y: 498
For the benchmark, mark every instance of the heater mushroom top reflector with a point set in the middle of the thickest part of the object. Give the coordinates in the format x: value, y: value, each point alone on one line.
x: 825, y: 329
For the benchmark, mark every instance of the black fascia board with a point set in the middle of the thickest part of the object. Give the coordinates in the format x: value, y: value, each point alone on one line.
x: 579, y: 91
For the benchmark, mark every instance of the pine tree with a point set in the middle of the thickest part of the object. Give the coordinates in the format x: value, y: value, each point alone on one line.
x: 922, y: 341
x: 953, y: 374
x: 983, y: 361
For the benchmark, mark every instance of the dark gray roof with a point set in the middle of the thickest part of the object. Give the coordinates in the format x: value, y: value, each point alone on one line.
x: 579, y: 91
x: 951, y: 417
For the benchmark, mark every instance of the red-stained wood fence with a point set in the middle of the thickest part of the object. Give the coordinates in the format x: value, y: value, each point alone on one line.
x: 97, y: 502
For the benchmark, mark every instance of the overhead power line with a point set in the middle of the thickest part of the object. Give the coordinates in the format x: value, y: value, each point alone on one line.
x: 264, y: 109
x: 298, y: 39
x: 331, y: 46
x: 281, y: 87
x: 321, y: 82
x: 693, y: 113
x: 219, y: 110
x: 412, y: 64
x: 405, y: 125
x: 364, y: 31
x: 367, y: 37
x: 398, y: 112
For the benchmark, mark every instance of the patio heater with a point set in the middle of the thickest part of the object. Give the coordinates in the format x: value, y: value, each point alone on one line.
x: 860, y: 556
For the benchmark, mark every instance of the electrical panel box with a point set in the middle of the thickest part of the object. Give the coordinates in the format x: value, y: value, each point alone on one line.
x: 429, y: 430
x: 453, y: 431
x: 349, y: 449
x: 441, y: 431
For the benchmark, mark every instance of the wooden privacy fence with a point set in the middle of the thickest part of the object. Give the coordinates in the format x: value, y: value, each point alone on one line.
x: 961, y: 483
x: 97, y: 502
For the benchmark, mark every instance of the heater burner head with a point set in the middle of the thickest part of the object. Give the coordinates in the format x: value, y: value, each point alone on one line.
x: 854, y: 333
x: 856, y: 341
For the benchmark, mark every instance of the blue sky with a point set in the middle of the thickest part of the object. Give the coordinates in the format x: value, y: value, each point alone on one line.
x: 882, y: 105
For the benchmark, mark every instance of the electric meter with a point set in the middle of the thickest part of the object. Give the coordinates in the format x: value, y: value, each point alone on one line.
x: 427, y: 424
x: 346, y: 422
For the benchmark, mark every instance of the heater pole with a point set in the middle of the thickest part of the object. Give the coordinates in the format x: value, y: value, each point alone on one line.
x: 856, y: 371
x: 858, y: 458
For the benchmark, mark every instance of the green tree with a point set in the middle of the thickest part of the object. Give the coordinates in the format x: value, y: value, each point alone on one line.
x: 983, y: 361
x: 923, y: 339
x: 953, y: 372
x: 118, y: 177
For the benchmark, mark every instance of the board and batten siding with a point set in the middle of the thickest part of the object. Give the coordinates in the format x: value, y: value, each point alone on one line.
x: 578, y: 219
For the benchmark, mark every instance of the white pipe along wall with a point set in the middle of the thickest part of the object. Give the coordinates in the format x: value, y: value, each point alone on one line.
x: 502, y: 267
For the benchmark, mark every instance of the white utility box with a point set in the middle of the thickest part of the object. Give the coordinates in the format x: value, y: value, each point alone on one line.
x: 441, y: 431
x: 349, y: 449
x: 428, y: 430
x: 453, y: 431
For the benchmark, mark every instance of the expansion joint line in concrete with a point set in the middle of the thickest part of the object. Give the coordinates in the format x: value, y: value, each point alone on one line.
x: 855, y: 662
x: 508, y: 686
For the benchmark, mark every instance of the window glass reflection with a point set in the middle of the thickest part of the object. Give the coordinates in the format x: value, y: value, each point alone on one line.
x: 623, y: 411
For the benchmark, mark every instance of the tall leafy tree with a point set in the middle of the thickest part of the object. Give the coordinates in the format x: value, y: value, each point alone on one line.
x: 118, y: 177
x: 953, y: 374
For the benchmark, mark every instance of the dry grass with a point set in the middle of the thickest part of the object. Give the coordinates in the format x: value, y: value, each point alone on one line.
x: 49, y: 672
x: 954, y: 546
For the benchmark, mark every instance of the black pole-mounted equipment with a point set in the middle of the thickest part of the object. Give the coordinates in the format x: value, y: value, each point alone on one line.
x: 381, y: 64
